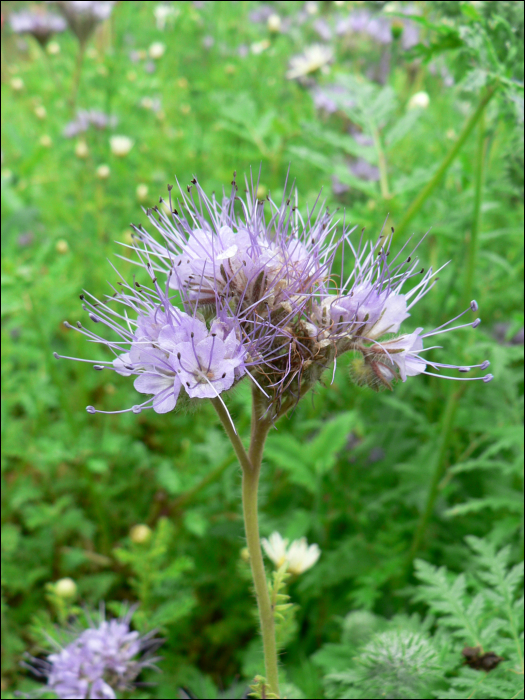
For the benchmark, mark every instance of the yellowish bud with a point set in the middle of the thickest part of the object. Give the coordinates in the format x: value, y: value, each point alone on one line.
x: 66, y: 588
x: 140, y: 534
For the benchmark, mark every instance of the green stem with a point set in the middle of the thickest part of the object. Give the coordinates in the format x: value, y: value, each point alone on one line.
x: 418, y: 202
x: 251, y: 468
x: 476, y: 215
x: 381, y: 161
x: 439, y: 469
x: 77, y: 74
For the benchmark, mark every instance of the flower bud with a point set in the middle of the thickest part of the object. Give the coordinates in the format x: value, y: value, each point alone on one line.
x: 142, y: 192
x: 81, y: 149
x: 103, y: 172
x: 120, y: 145
x: 65, y: 588
x: 53, y: 48
x: 17, y: 84
x: 40, y: 112
x: 140, y: 534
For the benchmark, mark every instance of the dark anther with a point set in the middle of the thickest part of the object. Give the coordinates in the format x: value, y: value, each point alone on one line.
x: 178, y: 356
x: 154, y: 280
x: 422, y: 270
x: 223, y: 375
x: 192, y: 334
x: 392, y: 229
x: 287, y: 202
x: 180, y: 261
x: 170, y: 187
x: 213, y: 335
x: 175, y: 212
x: 409, y: 259
x: 187, y: 383
x: 82, y: 297
x: 194, y: 181
x: 160, y: 200
x: 188, y: 187
x: 137, y: 285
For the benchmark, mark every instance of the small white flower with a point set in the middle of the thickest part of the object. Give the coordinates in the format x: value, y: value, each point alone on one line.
x: 163, y: 13
x: 313, y: 58
x: 274, y: 23
x: 120, y: 145
x: 312, y: 8
x: 259, y: 46
x: 301, y: 556
x: 157, y: 49
x: 298, y: 556
x: 275, y: 548
x: 420, y: 100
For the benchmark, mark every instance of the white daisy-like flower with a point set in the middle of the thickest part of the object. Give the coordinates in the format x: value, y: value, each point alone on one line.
x: 275, y: 548
x: 299, y: 556
x: 302, y: 557
x: 313, y: 58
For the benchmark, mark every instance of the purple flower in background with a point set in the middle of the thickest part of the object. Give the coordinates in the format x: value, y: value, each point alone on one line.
x: 237, y: 289
x: 331, y: 98
x: 101, y: 660
x: 86, y: 118
x: 83, y: 16
x: 362, y: 169
x: 41, y: 25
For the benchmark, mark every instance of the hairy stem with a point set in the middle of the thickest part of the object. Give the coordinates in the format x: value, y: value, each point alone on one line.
x: 251, y: 468
x: 421, y: 198
x: 476, y: 214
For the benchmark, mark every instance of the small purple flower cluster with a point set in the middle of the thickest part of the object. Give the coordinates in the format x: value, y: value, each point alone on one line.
x: 86, y: 118
x: 259, y: 297
x: 41, y: 25
x: 82, y: 16
x: 102, y: 660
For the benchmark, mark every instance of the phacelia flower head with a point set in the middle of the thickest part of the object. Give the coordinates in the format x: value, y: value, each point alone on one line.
x: 83, y: 16
x: 100, y: 661
x: 246, y: 288
x: 41, y: 25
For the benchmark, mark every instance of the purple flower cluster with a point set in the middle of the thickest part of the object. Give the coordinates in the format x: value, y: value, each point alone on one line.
x: 101, y: 660
x: 237, y: 290
x: 82, y: 16
x: 41, y: 25
x: 86, y: 118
